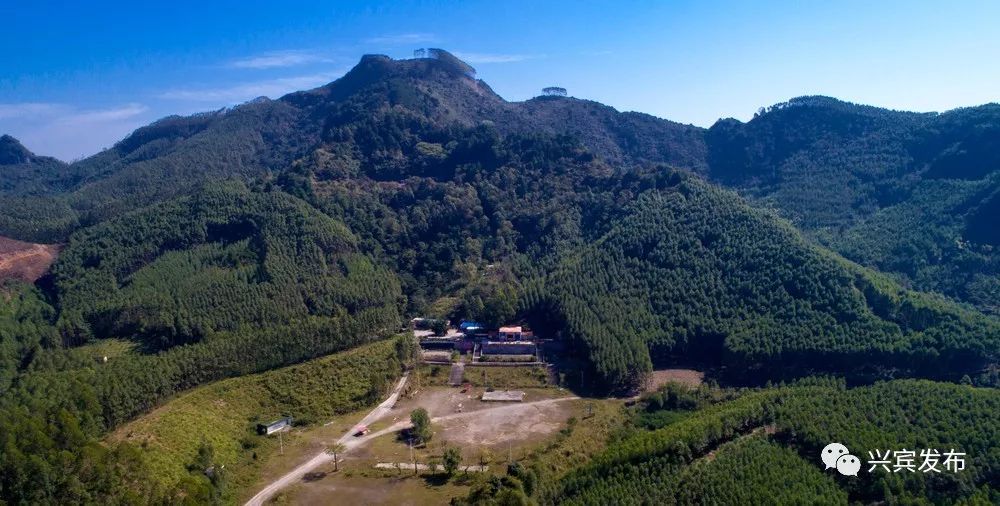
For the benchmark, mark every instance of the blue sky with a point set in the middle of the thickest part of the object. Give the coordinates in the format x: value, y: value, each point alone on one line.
x: 76, y: 77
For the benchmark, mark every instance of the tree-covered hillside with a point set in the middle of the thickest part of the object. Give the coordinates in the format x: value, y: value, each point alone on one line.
x: 221, y: 259
x: 25, y: 173
x: 693, y: 272
x: 864, y: 181
x: 906, y: 193
x: 764, y: 447
x: 175, y: 154
x: 224, y: 282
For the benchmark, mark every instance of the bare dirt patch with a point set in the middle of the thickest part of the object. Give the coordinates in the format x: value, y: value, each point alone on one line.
x: 24, y: 260
x: 511, y: 423
x: 442, y: 401
x: 690, y: 377
x: 436, y: 356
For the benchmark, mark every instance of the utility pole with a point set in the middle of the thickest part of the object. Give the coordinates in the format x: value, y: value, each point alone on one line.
x: 281, y: 442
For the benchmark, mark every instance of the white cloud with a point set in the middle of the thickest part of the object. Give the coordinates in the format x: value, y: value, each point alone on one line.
x: 401, y: 39
x: 242, y: 92
x: 496, y: 58
x: 277, y: 59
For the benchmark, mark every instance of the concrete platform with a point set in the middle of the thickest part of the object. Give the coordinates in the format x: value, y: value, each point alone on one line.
x: 504, y: 396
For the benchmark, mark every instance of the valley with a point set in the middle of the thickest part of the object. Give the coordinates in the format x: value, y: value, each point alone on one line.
x: 587, y: 306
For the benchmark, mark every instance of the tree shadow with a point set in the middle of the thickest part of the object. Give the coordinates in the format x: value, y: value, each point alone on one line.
x: 313, y: 476
x: 435, y: 479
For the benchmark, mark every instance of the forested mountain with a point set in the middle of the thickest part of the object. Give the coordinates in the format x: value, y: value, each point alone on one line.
x: 260, y: 236
x: 912, y: 194
x: 906, y: 193
x: 172, y: 155
x: 554, y: 206
x: 24, y: 173
x: 690, y: 271
x: 764, y: 446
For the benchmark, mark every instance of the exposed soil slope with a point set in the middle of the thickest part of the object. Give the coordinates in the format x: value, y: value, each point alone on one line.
x: 24, y: 260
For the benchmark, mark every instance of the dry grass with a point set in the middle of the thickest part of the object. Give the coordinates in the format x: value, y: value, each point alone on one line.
x: 497, y: 377
x: 225, y: 413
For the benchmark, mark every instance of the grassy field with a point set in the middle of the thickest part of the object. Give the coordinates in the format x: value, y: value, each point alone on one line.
x: 111, y: 348
x: 387, y: 488
x: 488, y: 377
x: 224, y: 414
x: 596, y: 421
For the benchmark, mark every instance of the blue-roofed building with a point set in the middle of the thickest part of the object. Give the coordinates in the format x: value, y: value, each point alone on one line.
x: 468, y: 327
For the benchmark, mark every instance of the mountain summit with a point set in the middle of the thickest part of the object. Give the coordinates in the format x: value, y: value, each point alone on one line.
x: 13, y: 152
x: 844, y: 173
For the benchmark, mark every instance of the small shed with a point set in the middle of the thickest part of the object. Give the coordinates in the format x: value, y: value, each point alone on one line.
x: 266, y: 429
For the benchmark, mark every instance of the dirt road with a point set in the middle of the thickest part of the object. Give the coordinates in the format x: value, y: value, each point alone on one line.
x: 348, y: 440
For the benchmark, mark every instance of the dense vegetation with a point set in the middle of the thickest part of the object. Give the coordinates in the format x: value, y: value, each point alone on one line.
x: 692, y: 272
x: 728, y: 450
x: 24, y: 173
x: 902, y: 192
x: 245, y: 281
x: 220, y: 260
x: 52, y: 417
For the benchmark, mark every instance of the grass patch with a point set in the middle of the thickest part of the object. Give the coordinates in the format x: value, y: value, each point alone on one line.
x: 111, y: 348
x: 498, y: 378
x: 443, y: 307
x: 224, y: 414
x: 576, y: 443
x: 382, y: 489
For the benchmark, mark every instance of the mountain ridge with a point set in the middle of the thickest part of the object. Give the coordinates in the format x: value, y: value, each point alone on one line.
x: 836, y: 169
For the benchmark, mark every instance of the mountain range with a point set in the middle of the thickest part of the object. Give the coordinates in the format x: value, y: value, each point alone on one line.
x: 820, y: 237
x: 911, y: 194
